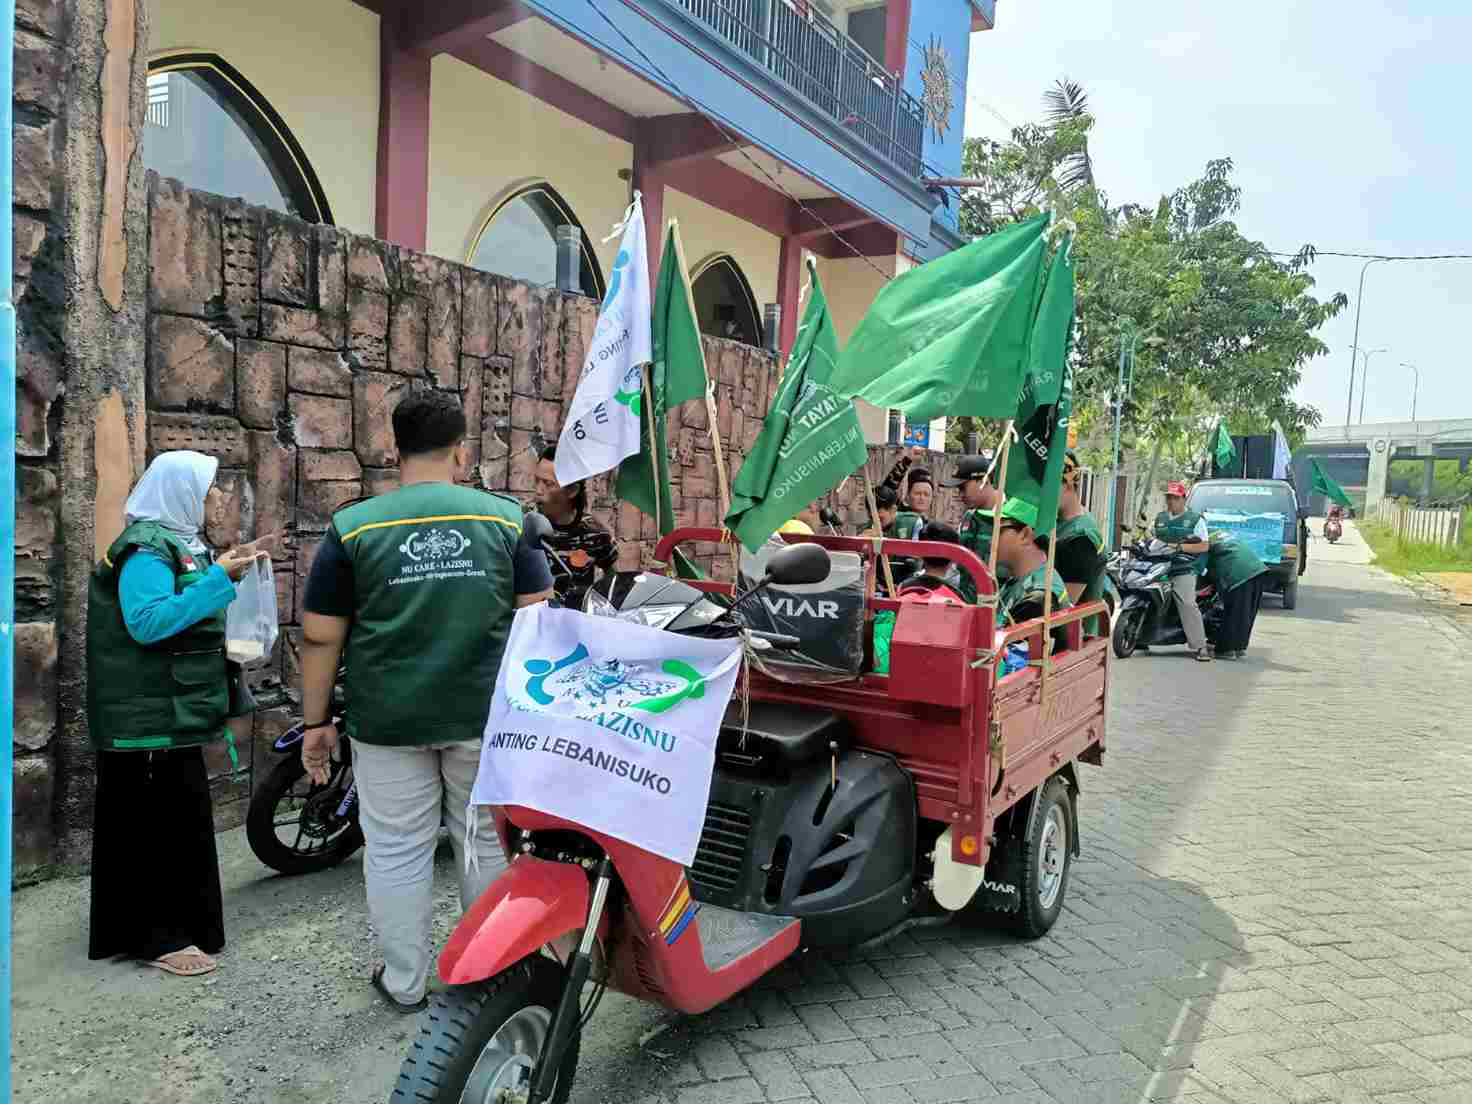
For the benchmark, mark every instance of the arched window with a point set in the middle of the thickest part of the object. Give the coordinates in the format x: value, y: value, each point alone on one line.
x: 210, y: 128
x: 519, y: 239
x: 724, y: 302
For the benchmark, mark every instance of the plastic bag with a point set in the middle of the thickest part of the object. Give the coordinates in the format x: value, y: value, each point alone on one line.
x: 250, y: 620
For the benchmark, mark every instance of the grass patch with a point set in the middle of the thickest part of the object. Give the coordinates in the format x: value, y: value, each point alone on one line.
x: 1412, y: 557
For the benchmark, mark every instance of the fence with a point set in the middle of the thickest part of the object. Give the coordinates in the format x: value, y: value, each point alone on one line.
x: 1444, y: 528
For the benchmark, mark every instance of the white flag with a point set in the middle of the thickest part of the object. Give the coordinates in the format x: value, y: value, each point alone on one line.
x: 603, y: 421
x: 608, y: 724
x: 1282, y: 454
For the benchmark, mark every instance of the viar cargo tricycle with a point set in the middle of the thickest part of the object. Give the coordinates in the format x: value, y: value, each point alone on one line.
x: 850, y: 811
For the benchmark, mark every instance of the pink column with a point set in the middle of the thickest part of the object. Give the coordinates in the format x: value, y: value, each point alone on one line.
x: 789, y: 286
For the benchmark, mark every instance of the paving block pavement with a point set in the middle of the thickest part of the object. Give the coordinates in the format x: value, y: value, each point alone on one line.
x: 1274, y: 904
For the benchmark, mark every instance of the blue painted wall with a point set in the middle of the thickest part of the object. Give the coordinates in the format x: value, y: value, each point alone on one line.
x: 947, y: 23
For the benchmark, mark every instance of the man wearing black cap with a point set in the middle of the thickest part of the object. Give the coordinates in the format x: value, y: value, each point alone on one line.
x: 978, y: 498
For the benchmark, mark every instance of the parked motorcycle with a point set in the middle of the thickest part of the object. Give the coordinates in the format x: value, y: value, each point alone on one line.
x: 295, y: 826
x: 1147, y: 613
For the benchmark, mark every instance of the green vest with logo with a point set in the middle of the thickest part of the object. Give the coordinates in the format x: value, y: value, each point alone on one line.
x: 976, y: 534
x: 906, y: 525
x: 1085, y: 528
x: 1180, y: 530
x: 1230, y: 563
x: 434, y: 596
x: 144, y: 697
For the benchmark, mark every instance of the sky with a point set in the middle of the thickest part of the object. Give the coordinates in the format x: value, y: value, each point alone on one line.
x: 1342, y: 120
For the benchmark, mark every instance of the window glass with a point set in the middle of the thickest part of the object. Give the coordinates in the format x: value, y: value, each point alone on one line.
x: 520, y: 241
x: 1247, y: 498
x: 724, y: 303
x: 195, y: 136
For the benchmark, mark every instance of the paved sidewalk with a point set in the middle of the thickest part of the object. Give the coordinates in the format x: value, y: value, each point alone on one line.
x: 1274, y: 904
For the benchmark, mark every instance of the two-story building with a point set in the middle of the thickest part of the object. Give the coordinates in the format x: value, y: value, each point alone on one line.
x: 472, y: 129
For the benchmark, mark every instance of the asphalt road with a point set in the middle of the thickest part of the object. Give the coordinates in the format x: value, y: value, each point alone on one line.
x: 1274, y: 903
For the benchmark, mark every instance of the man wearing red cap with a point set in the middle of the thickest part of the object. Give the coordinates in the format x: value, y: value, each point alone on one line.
x: 1185, y: 531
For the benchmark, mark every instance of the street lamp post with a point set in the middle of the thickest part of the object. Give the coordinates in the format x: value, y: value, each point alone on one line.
x: 1415, y: 389
x: 1128, y: 335
x: 1354, y: 352
x: 1365, y: 379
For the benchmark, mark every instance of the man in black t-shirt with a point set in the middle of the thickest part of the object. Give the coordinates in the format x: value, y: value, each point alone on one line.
x: 583, y: 546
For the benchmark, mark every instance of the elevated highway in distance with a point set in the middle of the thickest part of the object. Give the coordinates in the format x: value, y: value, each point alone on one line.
x: 1359, y: 456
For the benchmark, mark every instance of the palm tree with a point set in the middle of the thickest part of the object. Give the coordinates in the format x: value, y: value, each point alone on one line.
x: 1067, y: 102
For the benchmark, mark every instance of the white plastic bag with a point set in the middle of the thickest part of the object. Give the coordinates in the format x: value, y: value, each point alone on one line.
x: 250, y: 620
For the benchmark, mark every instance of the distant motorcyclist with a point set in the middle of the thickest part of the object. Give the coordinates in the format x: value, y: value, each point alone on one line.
x: 583, y: 546
x: 1185, y: 532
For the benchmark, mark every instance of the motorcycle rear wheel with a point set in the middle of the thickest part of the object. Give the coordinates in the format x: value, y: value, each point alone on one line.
x: 287, y: 782
x: 1127, y: 631
x: 479, y: 1041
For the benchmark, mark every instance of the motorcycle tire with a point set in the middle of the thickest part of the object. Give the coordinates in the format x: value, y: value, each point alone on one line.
x: 505, y: 1019
x: 1127, y: 631
x: 260, y: 826
x: 1047, y: 858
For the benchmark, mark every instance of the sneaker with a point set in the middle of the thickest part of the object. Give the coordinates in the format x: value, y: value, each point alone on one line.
x: 393, y: 1002
x: 1203, y: 656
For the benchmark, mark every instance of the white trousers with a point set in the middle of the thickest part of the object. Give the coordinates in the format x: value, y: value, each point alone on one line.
x: 1184, y: 588
x: 402, y: 794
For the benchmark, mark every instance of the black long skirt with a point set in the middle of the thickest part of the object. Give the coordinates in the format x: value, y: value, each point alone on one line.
x: 1239, y: 615
x: 155, y: 871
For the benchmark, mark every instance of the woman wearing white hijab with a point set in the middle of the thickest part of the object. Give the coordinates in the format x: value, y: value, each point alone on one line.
x: 157, y: 691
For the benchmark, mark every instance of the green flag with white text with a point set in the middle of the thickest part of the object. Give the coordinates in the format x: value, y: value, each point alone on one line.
x: 677, y: 375
x: 950, y: 337
x: 811, y: 438
x: 1221, y: 448
x: 1035, y: 472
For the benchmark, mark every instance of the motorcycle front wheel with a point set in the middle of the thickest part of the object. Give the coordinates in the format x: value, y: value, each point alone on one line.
x: 293, y: 826
x: 480, y: 1043
x: 1127, y: 631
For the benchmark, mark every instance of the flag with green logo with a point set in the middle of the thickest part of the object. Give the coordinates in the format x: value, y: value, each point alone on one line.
x: 1035, y: 472
x: 950, y: 337
x: 811, y: 438
x: 1323, y: 483
x: 1221, y: 448
x: 676, y: 375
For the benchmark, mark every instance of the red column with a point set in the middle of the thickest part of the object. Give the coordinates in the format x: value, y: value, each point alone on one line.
x: 650, y: 180
x: 789, y: 287
x: 897, y: 38
x: 403, y: 141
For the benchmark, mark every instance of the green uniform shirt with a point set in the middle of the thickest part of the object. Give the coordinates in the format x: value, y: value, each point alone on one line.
x: 976, y: 534
x: 434, y: 595
x: 1180, y: 530
x: 1016, y: 594
x: 174, y: 693
x: 1084, y: 532
x: 1230, y: 563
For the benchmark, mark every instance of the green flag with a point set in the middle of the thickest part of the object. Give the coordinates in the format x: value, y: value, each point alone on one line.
x: 1221, y: 447
x: 811, y: 439
x: 677, y: 375
x: 1036, y: 472
x: 950, y: 337
x: 1323, y: 483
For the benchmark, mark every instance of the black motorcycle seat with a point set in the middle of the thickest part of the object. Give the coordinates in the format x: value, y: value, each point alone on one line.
x: 788, y: 734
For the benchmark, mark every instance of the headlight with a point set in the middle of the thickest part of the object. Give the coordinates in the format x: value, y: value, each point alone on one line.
x: 656, y: 617
x: 595, y: 605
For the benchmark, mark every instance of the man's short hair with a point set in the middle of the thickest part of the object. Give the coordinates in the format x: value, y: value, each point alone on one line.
x: 579, y: 491
x: 428, y: 421
x: 886, y: 498
x: 920, y: 475
x: 941, y: 533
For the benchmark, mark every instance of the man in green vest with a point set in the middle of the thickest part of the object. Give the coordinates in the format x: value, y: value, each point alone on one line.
x: 1239, y: 576
x: 1078, y: 554
x: 419, y: 586
x: 1185, y: 531
x: 978, y: 499
x: 1023, y: 595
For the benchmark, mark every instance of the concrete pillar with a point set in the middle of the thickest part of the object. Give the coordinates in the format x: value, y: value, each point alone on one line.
x: 1428, y: 476
x: 104, y: 260
x: 1379, y: 473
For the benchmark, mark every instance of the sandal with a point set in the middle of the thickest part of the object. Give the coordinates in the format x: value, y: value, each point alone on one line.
x: 1203, y: 656
x: 179, y: 962
x: 394, y: 1002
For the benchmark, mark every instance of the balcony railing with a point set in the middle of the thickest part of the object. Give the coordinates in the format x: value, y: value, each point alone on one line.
x: 826, y: 67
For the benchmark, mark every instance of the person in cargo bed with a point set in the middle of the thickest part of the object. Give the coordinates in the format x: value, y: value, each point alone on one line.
x: 933, y: 584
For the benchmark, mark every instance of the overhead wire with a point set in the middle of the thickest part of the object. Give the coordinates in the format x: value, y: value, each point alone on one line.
x: 737, y: 140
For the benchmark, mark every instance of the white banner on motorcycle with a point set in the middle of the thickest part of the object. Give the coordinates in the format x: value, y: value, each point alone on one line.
x: 608, y: 724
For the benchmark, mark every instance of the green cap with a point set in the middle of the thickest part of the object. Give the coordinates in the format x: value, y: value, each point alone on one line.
x: 1016, y: 509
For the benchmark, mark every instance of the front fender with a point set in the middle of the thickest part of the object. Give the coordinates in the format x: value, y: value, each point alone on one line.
x: 530, y: 905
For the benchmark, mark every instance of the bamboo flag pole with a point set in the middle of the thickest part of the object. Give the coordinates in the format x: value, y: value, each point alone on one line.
x: 874, y: 513
x: 1048, y: 609
x: 1001, y: 487
x: 648, y: 376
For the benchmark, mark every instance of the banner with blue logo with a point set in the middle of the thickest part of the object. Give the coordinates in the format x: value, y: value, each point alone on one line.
x: 609, y: 724
x: 1263, y: 533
